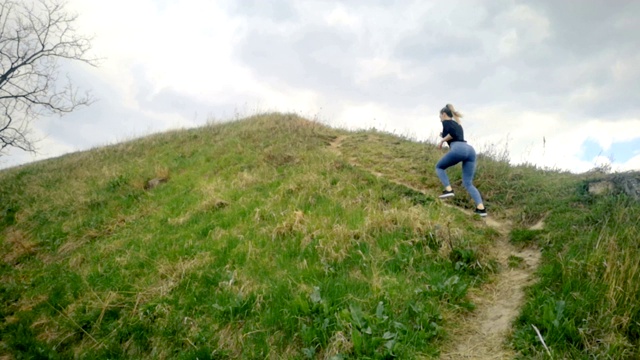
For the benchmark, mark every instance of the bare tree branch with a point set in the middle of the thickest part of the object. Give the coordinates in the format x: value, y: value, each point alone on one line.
x: 34, y: 36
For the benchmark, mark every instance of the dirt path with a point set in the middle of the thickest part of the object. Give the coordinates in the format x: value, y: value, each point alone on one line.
x: 482, y: 335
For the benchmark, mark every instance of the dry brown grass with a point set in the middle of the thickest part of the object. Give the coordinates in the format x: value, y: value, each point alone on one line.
x: 339, y: 344
x: 231, y: 339
x: 622, y: 278
x: 17, y: 244
x: 337, y: 246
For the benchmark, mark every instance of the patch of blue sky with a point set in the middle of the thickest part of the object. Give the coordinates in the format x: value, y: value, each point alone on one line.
x: 590, y: 149
x: 619, y: 152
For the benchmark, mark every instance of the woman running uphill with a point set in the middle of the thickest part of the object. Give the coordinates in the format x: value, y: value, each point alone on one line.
x: 460, y: 151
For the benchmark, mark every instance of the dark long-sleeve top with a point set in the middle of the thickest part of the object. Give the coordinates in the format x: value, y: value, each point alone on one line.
x: 451, y: 127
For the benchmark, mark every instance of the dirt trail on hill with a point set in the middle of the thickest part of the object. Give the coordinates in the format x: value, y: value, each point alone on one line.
x: 482, y: 334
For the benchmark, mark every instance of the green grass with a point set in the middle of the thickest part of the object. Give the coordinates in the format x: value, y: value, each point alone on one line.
x: 587, y: 301
x: 264, y: 243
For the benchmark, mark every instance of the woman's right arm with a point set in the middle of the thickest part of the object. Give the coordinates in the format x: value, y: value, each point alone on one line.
x: 446, y: 139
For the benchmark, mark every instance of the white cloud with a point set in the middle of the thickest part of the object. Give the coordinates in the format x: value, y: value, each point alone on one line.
x: 47, y: 148
x: 631, y: 164
x: 186, y: 46
x: 606, y: 133
x: 545, y: 139
x: 339, y: 16
x: 373, y: 68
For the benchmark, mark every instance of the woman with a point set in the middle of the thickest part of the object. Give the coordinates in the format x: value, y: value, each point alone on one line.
x: 459, y: 151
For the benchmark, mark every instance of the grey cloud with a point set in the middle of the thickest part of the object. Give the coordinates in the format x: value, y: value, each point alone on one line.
x: 278, y: 11
x: 591, y: 27
x: 585, y: 41
x: 170, y: 101
x: 324, y: 58
x: 87, y: 127
x: 455, y: 53
x: 313, y: 57
x: 425, y: 46
x: 108, y: 120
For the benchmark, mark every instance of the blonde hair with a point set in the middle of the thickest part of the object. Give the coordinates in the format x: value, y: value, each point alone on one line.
x: 456, y: 115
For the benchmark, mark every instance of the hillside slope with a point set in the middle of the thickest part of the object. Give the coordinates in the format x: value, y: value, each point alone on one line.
x: 263, y: 241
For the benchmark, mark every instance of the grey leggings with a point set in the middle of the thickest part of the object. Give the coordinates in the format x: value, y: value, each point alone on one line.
x: 460, y: 152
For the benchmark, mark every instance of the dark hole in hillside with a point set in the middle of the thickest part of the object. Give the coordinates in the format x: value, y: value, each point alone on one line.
x: 8, y: 216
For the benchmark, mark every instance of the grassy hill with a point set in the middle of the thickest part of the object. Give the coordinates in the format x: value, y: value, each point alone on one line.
x: 263, y: 241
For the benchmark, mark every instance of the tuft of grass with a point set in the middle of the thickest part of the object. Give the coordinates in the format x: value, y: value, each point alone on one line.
x: 515, y: 261
x: 525, y: 236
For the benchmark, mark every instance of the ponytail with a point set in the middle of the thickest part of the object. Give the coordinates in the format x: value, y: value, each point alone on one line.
x: 456, y: 115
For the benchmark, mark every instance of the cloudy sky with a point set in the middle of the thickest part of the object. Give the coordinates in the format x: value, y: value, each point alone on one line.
x: 554, y: 83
